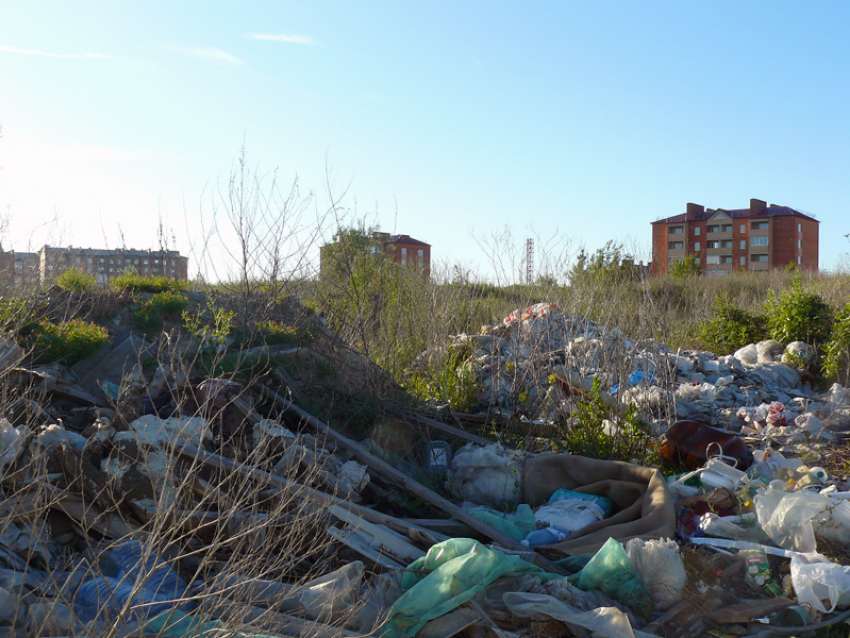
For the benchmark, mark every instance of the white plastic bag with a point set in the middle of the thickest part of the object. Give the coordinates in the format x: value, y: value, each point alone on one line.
x: 10, y: 444
x: 660, y: 566
x: 787, y: 517
x: 487, y: 475
x: 569, y: 515
x: 816, y: 580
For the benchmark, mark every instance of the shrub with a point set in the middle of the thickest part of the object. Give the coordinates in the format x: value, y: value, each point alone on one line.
x: 66, y: 342
x: 276, y: 333
x: 452, y: 380
x: 586, y: 435
x: 149, y: 315
x: 684, y: 267
x: 836, y: 361
x: 130, y: 281
x: 76, y: 281
x: 731, y: 327
x: 797, y: 315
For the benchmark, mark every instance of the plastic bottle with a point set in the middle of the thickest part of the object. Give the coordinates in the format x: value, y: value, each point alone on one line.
x: 691, y: 443
x: 546, y: 536
x: 437, y: 457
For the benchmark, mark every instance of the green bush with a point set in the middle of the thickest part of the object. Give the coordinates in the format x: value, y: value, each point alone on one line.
x: 14, y: 313
x: 66, y: 342
x: 275, y: 333
x: 133, y: 282
x: 836, y: 361
x: 586, y: 436
x: 684, y: 267
x: 76, y: 281
x: 796, y: 315
x: 149, y: 315
x: 452, y: 380
x: 731, y: 327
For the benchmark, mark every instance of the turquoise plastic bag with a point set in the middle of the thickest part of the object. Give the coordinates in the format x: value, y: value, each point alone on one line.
x: 611, y: 572
x: 459, y: 569
x: 517, y: 525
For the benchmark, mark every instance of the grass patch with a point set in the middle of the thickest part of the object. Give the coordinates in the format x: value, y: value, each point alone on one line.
x: 66, y: 342
x: 150, y: 315
x: 76, y: 281
x: 133, y: 282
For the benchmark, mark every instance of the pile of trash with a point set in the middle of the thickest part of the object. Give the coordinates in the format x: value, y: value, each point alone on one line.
x: 539, y: 359
x: 140, y: 500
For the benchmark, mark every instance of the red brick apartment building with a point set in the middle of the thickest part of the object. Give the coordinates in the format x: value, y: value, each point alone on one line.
x: 760, y: 237
x: 404, y: 250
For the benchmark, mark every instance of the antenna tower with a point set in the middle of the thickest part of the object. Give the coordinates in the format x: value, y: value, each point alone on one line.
x: 529, y: 260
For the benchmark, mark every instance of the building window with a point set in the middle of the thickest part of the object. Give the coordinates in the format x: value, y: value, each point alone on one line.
x: 714, y: 229
x: 696, y: 260
x: 102, y: 260
x: 799, y: 261
x: 725, y: 259
x: 676, y: 230
x: 404, y: 256
x: 759, y: 226
x: 675, y: 245
x: 713, y: 260
x: 759, y: 258
x: 726, y: 243
x: 743, y: 228
x: 800, y: 244
x: 696, y: 245
x: 799, y: 228
x: 89, y: 259
x: 712, y: 244
x: 696, y: 231
x: 742, y: 260
x: 743, y: 244
x: 145, y: 262
x: 758, y: 241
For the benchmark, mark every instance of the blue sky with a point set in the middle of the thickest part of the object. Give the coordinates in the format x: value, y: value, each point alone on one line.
x: 454, y: 122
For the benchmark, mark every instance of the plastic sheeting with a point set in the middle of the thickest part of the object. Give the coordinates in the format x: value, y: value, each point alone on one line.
x: 459, y: 569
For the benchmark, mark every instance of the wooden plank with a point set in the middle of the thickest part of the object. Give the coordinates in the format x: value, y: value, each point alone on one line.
x: 450, y: 624
x: 352, y: 539
x: 447, y: 526
x: 388, y: 472
x: 296, y: 490
x: 379, y: 537
x: 444, y: 427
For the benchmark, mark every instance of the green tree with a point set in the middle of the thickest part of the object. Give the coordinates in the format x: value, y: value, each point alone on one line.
x: 796, y: 315
x: 609, y: 264
x: 684, y: 267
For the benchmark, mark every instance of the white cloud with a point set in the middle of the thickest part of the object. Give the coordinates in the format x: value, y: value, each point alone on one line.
x: 211, y: 54
x: 48, y: 54
x: 291, y: 39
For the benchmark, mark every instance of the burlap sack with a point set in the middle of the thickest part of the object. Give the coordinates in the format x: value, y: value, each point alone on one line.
x: 643, y: 507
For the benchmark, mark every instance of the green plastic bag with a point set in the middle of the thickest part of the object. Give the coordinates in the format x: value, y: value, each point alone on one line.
x: 611, y: 572
x: 451, y: 573
x: 517, y: 525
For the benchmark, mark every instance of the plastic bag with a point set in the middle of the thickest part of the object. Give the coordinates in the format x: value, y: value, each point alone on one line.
x: 816, y: 580
x: 611, y: 571
x: 787, y: 517
x: 517, y: 525
x: 487, y: 475
x: 660, y: 567
x: 451, y: 573
x: 10, y: 443
x: 570, y: 515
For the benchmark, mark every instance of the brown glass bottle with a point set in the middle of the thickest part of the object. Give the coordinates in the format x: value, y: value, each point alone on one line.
x: 690, y: 443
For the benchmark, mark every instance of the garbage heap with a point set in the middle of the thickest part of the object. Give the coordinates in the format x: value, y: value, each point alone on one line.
x: 167, y: 504
x: 539, y: 359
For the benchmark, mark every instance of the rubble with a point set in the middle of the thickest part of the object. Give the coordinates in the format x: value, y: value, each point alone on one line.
x: 144, y: 499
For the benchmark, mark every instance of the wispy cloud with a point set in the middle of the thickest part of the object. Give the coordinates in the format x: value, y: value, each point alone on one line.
x: 291, y: 39
x: 48, y: 54
x: 211, y: 54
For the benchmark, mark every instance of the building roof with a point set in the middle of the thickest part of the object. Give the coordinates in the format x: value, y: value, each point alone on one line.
x: 737, y: 213
x: 105, y: 252
x: 407, y: 239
